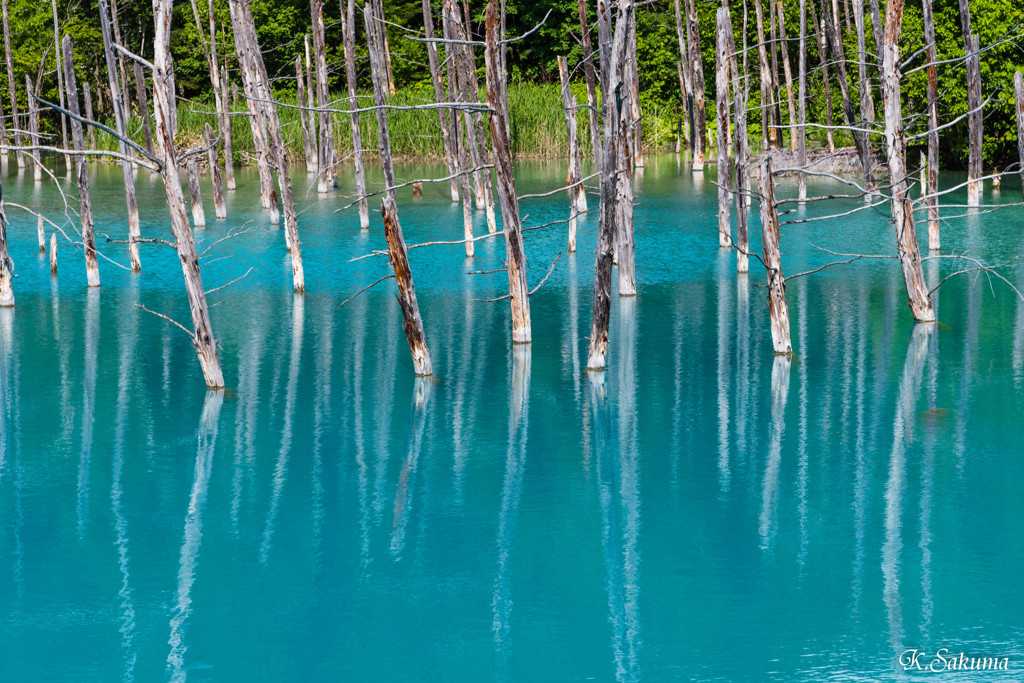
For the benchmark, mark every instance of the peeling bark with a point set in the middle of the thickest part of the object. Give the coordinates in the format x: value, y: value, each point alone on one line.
x: 778, y: 311
x: 92, y: 269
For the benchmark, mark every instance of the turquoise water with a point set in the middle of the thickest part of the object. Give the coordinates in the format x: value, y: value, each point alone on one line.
x: 701, y: 512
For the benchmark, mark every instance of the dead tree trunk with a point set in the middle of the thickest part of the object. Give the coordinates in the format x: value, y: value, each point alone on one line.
x: 685, y: 76
x: 33, y: 128
x: 60, y: 85
x: 219, y: 210
x: 776, y: 107
x: 229, y: 152
x: 766, y: 78
x: 120, y: 110
x: 53, y: 253
x: 633, y: 85
x: 778, y: 311
x: 819, y: 42
x: 722, y: 119
x: 40, y: 231
x: 90, y: 135
x: 202, y: 336
x: 459, y: 69
x: 325, y: 161
x: 304, y: 115
x: 613, y: 53
x: 788, y: 71
x: 6, y: 265
x: 577, y: 194
x: 459, y: 142
x: 257, y: 124
x: 255, y: 73
x: 589, y: 72
x: 515, y: 253
x: 412, y: 323
x: 445, y: 116
x: 975, y: 116
x: 92, y: 269
x: 934, y: 241
x: 143, y: 102
x: 907, y: 250
x: 801, y: 96
x: 11, y: 89
x: 349, y: 29
x: 742, y: 165
x: 1018, y: 91
x: 483, y: 154
x: 697, y: 68
x: 195, y: 195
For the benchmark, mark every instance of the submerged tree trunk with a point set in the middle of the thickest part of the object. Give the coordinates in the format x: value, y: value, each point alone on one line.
x: 412, y: 323
x: 195, y: 196
x: 445, y: 116
x: 697, y: 68
x: 325, y: 162
x: 304, y: 115
x: 934, y: 241
x: 788, y: 70
x: 257, y: 122
x: 229, y: 152
x: 577, y: 194
x: 766, y: 78
x: 722, y: 128
x: 90, y: 135
x: 60, y: 85
x: 6, y: 265
x: 740, y: 98
x: 349, y: 29
x: 120, y: 110
x: 975, y: 116
x: 11, y: 88
x: 819, y: 42
x: 515, y: 252
x: 219, y: 210
x: 33, y: 128
x: 590, y: 73
x: 309, y: 77
x: 92, y: 269
x: 202, y: 338
x: 907, y: 249
x: 801, y: 131
x: 1018, y: 91
x: 140, y: 96
x: 778, y: 311
x: 53, y: 253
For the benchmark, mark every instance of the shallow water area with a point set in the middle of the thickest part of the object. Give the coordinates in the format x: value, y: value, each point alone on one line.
x: 702, y: 510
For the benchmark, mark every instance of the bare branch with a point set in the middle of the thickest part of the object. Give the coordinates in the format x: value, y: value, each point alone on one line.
x: 374, y: 284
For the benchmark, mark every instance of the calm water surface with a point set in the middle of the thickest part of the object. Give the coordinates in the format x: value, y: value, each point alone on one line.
x: 703, y: 511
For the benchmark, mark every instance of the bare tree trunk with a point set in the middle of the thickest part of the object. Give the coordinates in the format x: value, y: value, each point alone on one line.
x: 819, y: 42
x: 90, y: 136
x: 788, y: 70
x: 776, y: 110
x: 740, y: 99
x: 6, y: 265
x: 202, y: 337
x: 459, y: 69
x: 515, y: 253
x: 975, y: 116
x: 589, y: 72
x: 577, y: 194
x: 459, y: 142
x: 304, y: 116
x: 309, y: 76
x: 766, y: 79
x: 196, y: 197
x: 92, y: 269
x: 326, y: 148
x: 254, y: 71
x: 1018, y: 91
x: 697, y: 68
x: 229, y: 152
x: 907, y: 250
x: 40, y: 230
x: 140, y: 95
x: 934, y: 242
x: 11, y: 89
x: 483, y: 155
x: 445, y: 117
x: 120, y: 112
x: 801, y: 131
x: 53, y: 253
x: 33, y: 128
x: 633, y: 84
x: 60, y: 85
x: 722, y: 109
x: 219, y: 210
x: 612, y: 45
x: 349, y: 29
x: 624, y: 245
x: 412, y: 323
x: 778, y: 311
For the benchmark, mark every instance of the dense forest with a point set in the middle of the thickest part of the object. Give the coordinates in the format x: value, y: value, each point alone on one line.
x: 538, y: 125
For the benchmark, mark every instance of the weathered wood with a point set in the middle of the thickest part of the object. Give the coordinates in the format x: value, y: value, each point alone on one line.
x: 776, y: 96
x: 412, y: 324
x: 41, y: 233
x: 309, y: 79
x: 740, y: 98
x: 975, y: 116
x: 92, y: 269
x: 195, y: 195
x: 590, y: 74
x: 778, y: 311
x: 624, y: 245
x: 143, y: 102
x: 801, y: 95
x: 4, y: 141
x: 60, y: 85
x: 460, y: 142
x: 90, y: 135
x: 765, y: 71
x: 258, y: 123
x: 483, y: 155
x: 612, y: 42
x: 819, y: 42
x: 255, y: 72
x: 697, y: 68
x: 515, y: 252
x: 220, y: 94
x: 907, y: 250
x: 325, y: 160
x: 33, y: 129
x: 1018, y: 91
x: 202, y: 337
x: 6, y: 265
x: 632, y: 83
x: 445, y: 117
x: 577, y: 193
x: 53, y: 253
x: 724, y: 29
x: 304, y: 116
x: 219, y: 209
x: 12, y: 90
x: 121, y: 125
x: 349, y: 30
x: 229, y: 152
x: 788, y: 71
x: 459, y: 74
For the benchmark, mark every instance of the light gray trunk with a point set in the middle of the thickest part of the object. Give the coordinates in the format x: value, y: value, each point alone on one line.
x: 349, y: 28
x: 778, y: 311
x: 219, y: 210
x: 143, y: 102
x: 60, y: 86
x: 577, y: 194
x: 33, y: 128
x: 788, y: 71
x: 444, y: 116
x: 724, y: 29
x: 11, y: 88
x: 590, y: 73
x: 325, y: 160
x: 92, y: 269
x: 229, y: 152
x: 6, y: 265
x: 975, y: 117
x: 934, y: 241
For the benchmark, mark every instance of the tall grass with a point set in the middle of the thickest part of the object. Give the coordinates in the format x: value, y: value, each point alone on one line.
x: 537, y: 118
